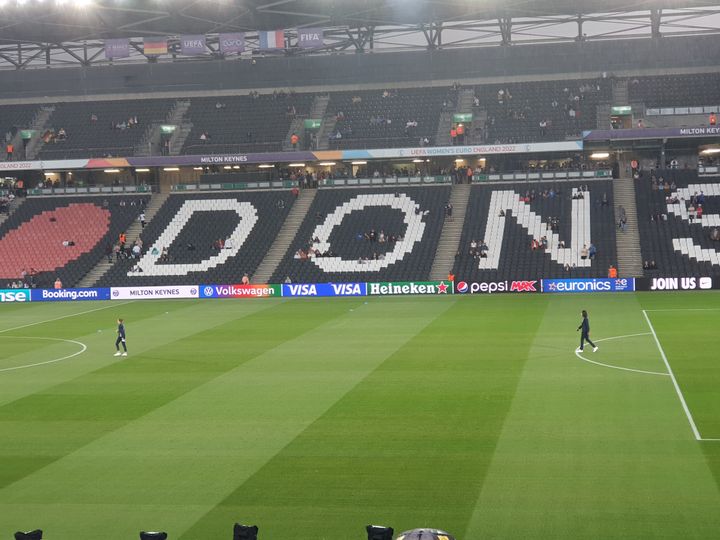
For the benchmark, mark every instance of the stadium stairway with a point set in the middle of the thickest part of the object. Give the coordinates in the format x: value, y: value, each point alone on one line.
x: 176, y: 117
x: 39, y: 125
x: 620, y: 94
x: 629, y: 261
x: 285, y: 237
x: 133, y: 232
x: 452, y: 230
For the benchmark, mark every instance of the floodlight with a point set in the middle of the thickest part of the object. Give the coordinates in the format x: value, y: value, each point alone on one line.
x: 30, y: 535
x: 153, y: 535
x: 245, y: 532
x: 378, y: 532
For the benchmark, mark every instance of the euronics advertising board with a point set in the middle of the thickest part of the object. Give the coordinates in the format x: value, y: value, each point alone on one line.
x: 589, y: 285
x: 69, y: 295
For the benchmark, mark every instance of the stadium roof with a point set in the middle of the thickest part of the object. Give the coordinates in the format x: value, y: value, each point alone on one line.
x: 57, y: 21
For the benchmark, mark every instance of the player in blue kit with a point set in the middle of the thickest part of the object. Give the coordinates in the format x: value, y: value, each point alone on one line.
x: 585, y: 335
x: 120, y: 338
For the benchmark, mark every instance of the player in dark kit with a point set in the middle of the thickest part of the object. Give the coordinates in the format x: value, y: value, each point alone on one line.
x: 585, y: 335
x: 120, y: 339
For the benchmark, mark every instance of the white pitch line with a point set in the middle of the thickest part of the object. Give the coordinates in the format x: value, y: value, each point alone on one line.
x: 577, y: 353
x: 674, y: 380
x: 65, y: 316
x: 684, y: 309
x: 84, y: 348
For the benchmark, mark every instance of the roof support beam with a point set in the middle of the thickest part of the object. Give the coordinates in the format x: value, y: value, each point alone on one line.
x: 505, y: 24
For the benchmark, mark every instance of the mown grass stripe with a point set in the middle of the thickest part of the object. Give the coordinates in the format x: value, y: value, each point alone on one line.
x: 408, y: 446
x: 48, y: 425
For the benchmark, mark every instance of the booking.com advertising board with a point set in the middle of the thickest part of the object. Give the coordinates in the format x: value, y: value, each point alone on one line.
x: 398, y: 288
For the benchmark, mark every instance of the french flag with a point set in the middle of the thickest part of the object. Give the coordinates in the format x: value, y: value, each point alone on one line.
x: 274, y: 39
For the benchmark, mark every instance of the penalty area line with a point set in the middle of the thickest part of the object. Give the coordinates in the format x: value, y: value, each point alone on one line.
x: 679, y: 393
x: 65, y: 316
x: 581, y: 357
x: 83, y: 348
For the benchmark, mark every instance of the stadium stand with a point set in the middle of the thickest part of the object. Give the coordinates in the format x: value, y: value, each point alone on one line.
x: 32, y: 238
x: 14, y: 118
x: 528, y: 211
x: 515, y: 111
x: 378, y: 118
x: 677, y: 244
x: 243, y: 123
x: 95, y: 129
x: 367, y: 235
x: 189, y: 228
x: 694, y: 90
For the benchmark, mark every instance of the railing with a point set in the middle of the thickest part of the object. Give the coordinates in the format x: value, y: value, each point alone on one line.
x: 210, y: 148
x: 669, y: 111
x: 541, y: 176
x: 48, y: 152
x: 92, y: 190
x: 399, y: 180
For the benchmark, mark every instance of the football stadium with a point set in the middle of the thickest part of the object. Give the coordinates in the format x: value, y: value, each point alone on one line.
x: 384, y: 270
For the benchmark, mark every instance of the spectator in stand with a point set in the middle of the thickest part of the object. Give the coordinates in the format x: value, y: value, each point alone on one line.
x: 9, y: 149
x: 584, y: 254
x: 141, y: 219
x: 245, y: 279
x: 699, y: 212
x: 612, y: 272
x: 294, y: 140
x: 592, y: 251
x: 61, y: 134
x: 712, y: 119
x: 58, y: 284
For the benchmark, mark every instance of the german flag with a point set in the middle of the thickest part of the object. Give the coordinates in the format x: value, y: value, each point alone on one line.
x: 155, y: 46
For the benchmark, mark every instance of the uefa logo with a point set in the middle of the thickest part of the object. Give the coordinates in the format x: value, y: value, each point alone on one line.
x: 116, y: 293
x: 193, y: 291
x: 462, y: 287
x: 208, y: 291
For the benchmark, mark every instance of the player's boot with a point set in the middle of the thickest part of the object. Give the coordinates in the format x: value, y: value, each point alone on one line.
x: 578, y: 350
x: 124, y: 354
x: 595, y: 349
x: 117, y: 353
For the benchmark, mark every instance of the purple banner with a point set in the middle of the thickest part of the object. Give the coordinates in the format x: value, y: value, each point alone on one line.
x: 232, y: 43
x: 192, y: 45
x: 650, y: 133
x: 117, y: 48
x: 310, y: 38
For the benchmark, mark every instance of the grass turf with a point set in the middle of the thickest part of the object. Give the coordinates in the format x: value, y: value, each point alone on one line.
x: 313, y: 418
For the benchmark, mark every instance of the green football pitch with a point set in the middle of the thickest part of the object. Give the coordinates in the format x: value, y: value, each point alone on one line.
x: 315, y: 417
